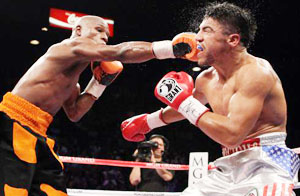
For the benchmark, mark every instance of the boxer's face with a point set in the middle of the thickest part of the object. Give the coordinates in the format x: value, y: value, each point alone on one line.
x: 212, y: 39
x: 96, y: 29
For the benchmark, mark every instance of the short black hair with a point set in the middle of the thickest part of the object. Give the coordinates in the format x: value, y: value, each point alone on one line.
x: 235, y: 18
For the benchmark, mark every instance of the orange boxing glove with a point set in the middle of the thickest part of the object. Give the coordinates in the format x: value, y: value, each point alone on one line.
x: 187, y: 38
x: 104, y: 73
x: 183, y: 45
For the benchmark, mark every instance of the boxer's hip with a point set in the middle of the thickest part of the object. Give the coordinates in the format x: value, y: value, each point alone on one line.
x: 26, y: 113
x: 264, y: 154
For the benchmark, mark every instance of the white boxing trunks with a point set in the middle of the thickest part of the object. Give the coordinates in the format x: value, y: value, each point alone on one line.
x: 261, y: 166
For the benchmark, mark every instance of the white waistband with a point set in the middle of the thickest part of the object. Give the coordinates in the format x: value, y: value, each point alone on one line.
x: 276, y: 138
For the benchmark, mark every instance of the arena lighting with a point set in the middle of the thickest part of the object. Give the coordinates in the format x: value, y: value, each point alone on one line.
x: 65, y: 19
x: 34, y: 42
x: 196, y: 69
x: 44, y: 29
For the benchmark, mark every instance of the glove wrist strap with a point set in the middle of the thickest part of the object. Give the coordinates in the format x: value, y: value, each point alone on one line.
x: 163, y: 49
x: 154, y: 120
x: 94, y: 88
x: 192, y: 109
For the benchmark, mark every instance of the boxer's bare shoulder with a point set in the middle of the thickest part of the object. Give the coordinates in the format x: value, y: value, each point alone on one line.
x: 203, y: 79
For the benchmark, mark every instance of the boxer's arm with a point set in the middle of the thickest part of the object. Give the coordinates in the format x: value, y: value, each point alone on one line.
x: 131, y: 52
x: 170, y: 115
x: 244, y: 109
x: 77, y: 105
x: 135, y: 51
x: 128, y: 52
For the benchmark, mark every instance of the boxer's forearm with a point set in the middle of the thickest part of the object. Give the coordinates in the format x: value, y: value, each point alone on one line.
x: 128, y: 52
x: 222, y: 129
x: 79, y: 107
x: 134, y: 52
x: 170, y: 115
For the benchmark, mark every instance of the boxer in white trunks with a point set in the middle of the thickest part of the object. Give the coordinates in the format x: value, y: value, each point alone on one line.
x: 248, y: 116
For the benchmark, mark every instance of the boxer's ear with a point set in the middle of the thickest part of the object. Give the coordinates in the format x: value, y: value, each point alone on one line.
x: 78, y: 30
x: 234, y: 39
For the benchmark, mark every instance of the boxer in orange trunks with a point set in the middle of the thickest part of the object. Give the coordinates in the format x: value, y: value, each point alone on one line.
x: 28, y: 163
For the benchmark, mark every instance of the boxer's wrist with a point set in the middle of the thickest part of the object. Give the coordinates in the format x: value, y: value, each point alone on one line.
x: 192, y: 109
x: 154, y: 120
x: 94, y: 88
x: 163, y: 49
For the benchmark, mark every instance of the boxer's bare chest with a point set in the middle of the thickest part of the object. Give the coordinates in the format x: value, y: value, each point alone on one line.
x: 219, y: 93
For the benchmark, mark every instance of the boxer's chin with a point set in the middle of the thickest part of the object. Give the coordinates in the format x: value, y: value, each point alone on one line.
x: 201, y: 63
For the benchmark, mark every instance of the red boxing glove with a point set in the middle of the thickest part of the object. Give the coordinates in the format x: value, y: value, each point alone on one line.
x: 135, y: 128
x: 175, y: 90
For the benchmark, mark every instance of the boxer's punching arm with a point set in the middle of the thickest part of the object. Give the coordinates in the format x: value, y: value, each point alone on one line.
x: 129, y: 52
x: 133, y: 52
x: 244, y: 109
x: 87, y: 49
x: 77, y: 105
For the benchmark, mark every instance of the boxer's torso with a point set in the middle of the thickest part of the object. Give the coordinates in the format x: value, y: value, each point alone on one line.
x: 52, y: 78
x: 218, y: 94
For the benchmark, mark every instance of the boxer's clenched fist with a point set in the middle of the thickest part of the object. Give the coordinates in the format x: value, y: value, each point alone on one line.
x: 183, y: 45
x: 104, y: 73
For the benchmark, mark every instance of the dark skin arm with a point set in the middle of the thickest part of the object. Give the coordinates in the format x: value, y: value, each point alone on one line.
x: 85, y: 49
x: 127, y: 52
x: 78, y: 104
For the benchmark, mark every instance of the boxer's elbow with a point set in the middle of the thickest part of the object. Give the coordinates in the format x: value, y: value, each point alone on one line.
x: 224, y: 133
x: 233, y: 139
x: 73, y: 115
x: 231, y: 143
x: 74, y: 118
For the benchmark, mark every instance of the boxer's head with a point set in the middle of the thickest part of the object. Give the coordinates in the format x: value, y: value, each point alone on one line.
x: 234, y: 19
x: 225, y: 28
x: 93, y: 27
